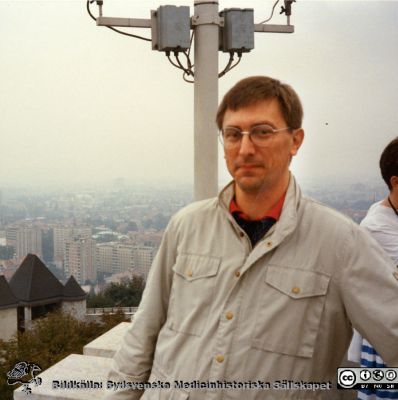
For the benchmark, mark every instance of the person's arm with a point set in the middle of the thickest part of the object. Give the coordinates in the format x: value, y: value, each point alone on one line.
x: 370, y: 292
x: 133, y: 361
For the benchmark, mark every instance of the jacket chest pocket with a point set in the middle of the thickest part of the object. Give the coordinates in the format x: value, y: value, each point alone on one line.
x: 171, y: 393
x: 192, y: 291
x: 291, y: 307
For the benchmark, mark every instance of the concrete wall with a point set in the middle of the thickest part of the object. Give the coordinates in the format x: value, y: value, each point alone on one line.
x: 27, y: 317
x: 8, y: 326
x: 76, y: 308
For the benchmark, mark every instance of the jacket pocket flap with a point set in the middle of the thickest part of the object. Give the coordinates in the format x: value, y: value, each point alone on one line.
x: 194, y: 266
x: 297, y: 283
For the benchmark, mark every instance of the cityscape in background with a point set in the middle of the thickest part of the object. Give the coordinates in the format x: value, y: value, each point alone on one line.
x: 111, y: 233
x: 97, y: 235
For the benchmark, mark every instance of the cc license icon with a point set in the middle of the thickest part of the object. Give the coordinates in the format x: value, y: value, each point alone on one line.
x: 391, y: 375
x: 365, y: 375
x: 347, y: 378
x: 378, y: 374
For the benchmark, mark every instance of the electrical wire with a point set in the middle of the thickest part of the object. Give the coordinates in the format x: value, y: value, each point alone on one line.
x: 189, y: 63
x: 171, y: 61
x: 190, y: 42
x: 227, y: 67
x: 186, y: 70
x: 129, y: 34
x: 272, y: 13
x: 239, y: 58
x: 185, y: 79
x: 89, y: 11
x: 114, y: 29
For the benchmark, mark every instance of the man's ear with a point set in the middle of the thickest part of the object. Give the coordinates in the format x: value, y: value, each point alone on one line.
x: 394, y: 182
x: 298, y: 137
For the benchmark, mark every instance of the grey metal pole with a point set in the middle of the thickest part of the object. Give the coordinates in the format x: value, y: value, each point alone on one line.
x: 206, y: 24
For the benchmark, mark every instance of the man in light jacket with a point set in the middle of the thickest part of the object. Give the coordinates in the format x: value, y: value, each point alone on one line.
x: 254, y: 294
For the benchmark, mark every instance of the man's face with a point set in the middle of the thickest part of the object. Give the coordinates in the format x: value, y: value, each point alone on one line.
x: 256, y: 169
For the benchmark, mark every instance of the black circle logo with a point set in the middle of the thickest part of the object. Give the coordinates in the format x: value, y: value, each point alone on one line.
x: 347, y: 378
x: 365, y: 375
x: 391, y: 375
x: 378, y: 374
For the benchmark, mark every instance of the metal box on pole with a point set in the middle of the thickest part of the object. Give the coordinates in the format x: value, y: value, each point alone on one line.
x: 238, y: 31
x: 173, y: 28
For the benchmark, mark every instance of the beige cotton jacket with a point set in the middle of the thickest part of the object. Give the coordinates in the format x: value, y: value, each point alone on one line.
x: 252, y: 322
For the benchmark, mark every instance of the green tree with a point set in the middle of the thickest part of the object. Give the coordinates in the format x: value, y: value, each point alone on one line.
x: 125, y: 294
x: 110, y: 320
x: 137, y: 286
x: 50, y: 339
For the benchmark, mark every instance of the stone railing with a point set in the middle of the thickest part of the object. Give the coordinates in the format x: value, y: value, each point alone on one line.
x: 90, y: 369
x: 111, y: 310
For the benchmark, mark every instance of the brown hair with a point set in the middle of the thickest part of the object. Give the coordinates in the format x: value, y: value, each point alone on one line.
x: 389, y: 162
x: 251, y: 90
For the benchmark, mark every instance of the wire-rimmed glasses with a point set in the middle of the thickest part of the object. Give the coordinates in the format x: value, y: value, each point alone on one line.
x: 260, y: 135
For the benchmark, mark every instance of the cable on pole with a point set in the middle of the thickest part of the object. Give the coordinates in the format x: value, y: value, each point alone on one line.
x: 272, y: 13
x: 189, y: 63
x: 188, y: 70
x: 239, y: 58
x: 190, y: 42
x: 99, y: 3
x: 171, y: 61
x: 228, y: 66
x: 186, y: 79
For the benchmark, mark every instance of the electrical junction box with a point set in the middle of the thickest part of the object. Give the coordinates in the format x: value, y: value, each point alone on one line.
x: 238, y: 31
x: 172, y: 28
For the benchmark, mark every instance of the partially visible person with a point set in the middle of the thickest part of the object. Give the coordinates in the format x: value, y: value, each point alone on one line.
x: 382, y: 223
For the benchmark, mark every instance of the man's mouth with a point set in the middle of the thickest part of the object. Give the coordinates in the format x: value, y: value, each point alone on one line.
x: 247, y: 166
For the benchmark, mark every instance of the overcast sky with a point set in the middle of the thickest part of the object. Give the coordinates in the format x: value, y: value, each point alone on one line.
x: 79, y: 103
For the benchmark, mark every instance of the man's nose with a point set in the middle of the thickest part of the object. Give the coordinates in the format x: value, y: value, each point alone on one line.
x: 246, y: 145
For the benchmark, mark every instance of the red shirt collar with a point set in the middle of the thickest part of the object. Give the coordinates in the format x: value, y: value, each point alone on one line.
x: 275, y: 212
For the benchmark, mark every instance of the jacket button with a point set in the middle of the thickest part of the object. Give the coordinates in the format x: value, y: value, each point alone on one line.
x: 269, y: 244
x: 237, y: 274
x: 295, y: 290
x: 241, y: 234
x: 220, y: 358
x: 189, y: 273
x: 229, y: 315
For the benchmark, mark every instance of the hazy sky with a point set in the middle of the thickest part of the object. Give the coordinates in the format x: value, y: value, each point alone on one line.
x: 80, y: 103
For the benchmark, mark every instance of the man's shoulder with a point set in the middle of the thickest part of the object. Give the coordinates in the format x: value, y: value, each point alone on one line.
x: 327, y: 218
x: 330, y: 227
x: 380, y: 219
x: 196, y: 209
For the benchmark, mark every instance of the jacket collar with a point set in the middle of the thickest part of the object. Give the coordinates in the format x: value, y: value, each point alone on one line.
x: 288, y: 219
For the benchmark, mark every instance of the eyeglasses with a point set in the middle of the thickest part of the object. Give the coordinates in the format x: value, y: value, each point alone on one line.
x: 260, y: 134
